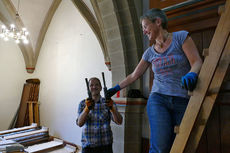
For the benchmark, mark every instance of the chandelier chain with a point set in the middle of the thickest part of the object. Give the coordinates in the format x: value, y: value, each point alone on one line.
x: 17, y: 11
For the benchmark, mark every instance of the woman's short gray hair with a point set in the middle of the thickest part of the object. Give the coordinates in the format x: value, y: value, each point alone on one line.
x: 155, y: 13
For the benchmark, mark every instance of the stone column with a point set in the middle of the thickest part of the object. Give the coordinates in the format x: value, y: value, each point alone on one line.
x: 127, y: 137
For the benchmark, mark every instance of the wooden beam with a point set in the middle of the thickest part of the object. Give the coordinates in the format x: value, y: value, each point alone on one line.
x: 31, y: 112
x: 45, y: 146
x: 36, y: 113
x: 23, y: 105
x: 32, y: 126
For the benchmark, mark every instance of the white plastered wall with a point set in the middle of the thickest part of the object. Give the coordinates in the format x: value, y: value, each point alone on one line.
x: 70, y: 53
x: 12, y: 78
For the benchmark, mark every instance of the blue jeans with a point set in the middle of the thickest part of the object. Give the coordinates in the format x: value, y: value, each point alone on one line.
x: 164, y: 112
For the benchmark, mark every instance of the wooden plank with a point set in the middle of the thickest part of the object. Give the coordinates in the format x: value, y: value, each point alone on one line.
x: 205, y: 77
x: 31, y: 112
x: 31, y: 96
x: 183, y: 19
x: 23, y: 106
x: 36, y: 113
x: 199, y: 16
x: 18, y: 129
x: 44, y: 146
x: 35, y: 140
x: 26, y: 119
x: 162, y: 4
x: 55, y: 146
x: 195, y: 25
x: 36, y: 94
x: 44, y: 129
x: 202, y: 6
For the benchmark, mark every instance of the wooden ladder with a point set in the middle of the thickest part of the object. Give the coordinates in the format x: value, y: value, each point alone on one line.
x: 210, y: 79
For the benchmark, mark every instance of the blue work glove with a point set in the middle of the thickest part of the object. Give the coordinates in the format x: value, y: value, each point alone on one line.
x: 189, y: 81
x: 112, y: 91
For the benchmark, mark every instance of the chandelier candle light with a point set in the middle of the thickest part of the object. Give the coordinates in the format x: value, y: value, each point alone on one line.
x: 13, y: 33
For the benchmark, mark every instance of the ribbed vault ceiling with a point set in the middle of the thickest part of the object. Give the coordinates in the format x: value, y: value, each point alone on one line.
x: 35, y: 15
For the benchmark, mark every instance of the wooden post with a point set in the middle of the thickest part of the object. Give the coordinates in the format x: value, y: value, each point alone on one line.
x: 36, y: 113
x: 33, y: 112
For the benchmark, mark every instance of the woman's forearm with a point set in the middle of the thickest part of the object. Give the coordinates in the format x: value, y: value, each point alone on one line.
x: 196, y: 66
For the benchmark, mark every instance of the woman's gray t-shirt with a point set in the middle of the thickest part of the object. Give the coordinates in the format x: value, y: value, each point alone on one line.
x: 169, y: 67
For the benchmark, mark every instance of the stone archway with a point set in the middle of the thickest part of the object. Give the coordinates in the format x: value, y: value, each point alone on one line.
x: 118, y: 32
x: 117, y: 28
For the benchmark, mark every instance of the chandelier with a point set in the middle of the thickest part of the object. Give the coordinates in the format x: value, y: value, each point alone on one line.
x: 12, y: 32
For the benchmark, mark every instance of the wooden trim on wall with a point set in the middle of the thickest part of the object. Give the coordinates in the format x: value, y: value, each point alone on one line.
x: 191, y: 15
x: 163, y: 4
